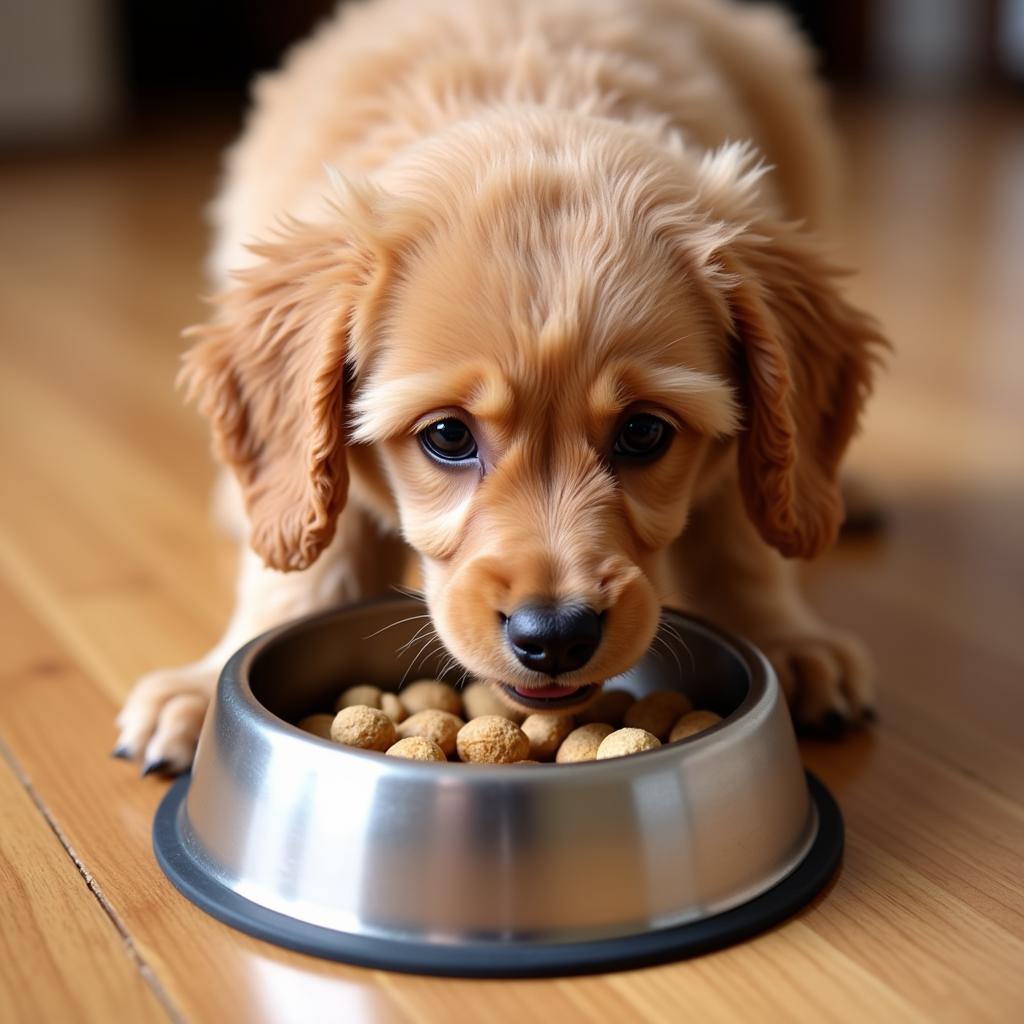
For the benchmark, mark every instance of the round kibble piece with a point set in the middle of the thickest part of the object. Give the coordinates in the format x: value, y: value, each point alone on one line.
x: 623, y: 742
x: 609, y: 706
x: 393, y: 707
x: 582, y: 743
x: 360, y: 726
x: 430, y: 693
x: 317, y: 725
x: 416, y: 748
x: 546, y: 733
x: 440, y: 726
x: 658, y: 712
x: 491, y: 739
x: 365, y: 696
x: 692, y: 723
x: 480, y: 699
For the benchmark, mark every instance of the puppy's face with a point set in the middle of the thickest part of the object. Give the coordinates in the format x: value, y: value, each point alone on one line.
x: 548, y: 327
x: 545, y: 414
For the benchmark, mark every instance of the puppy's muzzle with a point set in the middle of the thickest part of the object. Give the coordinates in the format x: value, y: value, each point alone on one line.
x: 553, y: 639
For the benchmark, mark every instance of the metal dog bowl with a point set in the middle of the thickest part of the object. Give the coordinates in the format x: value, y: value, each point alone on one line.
x: 493, y: 870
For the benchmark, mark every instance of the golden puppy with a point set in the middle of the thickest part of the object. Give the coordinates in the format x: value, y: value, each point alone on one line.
x: 536, y: 293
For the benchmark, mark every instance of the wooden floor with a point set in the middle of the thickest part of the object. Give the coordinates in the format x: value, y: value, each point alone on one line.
x: 109, y: 567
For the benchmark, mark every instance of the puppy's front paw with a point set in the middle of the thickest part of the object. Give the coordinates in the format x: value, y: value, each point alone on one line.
x: 827, y: 676
x: 161, y: 719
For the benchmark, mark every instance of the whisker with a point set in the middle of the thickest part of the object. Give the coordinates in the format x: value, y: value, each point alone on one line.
x: 423, y: 654
x: 412, y: 592
x: 432, y: 643
x: 400, y: 622
x: 412, y: 664
x: 417, y: 636
x: 450, y: 663
x: 666, y: 627
x: 666, y: 647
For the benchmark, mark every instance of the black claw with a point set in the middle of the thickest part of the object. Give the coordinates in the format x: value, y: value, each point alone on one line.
x: 834, y: 724
x: 121, y: 752
x: 153, y: 767
x: 864, y: 523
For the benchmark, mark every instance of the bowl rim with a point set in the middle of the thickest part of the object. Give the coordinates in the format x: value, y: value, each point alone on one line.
x: 761, y: 693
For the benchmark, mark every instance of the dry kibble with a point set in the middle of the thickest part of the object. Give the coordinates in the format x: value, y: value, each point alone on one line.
x: 658, y: 712
x: 492, y: 739
x: 610, y: 707
x: 582, y: 743
x: 365, y: 696
x: 318, y: 725
x: 393, y: 707
x: 545, y: 733
x: 424, y: 723
x: 432, y: 694
x: 365, y: 727
x: 417, y: 748
x: 623, y: 742
x: 692, y: 723
x: 440, y: 726
x: 480, y: 699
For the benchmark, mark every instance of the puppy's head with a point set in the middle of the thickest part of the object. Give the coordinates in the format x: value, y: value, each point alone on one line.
x: 552, y: 331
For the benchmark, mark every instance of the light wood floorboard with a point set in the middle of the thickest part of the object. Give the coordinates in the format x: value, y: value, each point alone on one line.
x: 109, y: 566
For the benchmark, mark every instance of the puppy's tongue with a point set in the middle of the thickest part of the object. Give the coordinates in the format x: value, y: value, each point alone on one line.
x: 545, y: 691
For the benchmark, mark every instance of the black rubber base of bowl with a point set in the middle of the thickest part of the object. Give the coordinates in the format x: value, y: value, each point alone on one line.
x: 504, y: 959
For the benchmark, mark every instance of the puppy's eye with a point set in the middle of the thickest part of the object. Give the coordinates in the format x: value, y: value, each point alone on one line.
x: 449, y: 440
x: 643, y: 437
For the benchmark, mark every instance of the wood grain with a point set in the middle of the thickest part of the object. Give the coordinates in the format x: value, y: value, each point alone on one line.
x: 56, y: 724
x: 110, y: 567
x: 61, y: 957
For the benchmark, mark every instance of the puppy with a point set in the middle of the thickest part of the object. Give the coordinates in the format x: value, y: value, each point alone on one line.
x: 533, y: 290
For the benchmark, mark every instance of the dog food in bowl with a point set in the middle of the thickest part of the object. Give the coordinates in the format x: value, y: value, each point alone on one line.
x: 317, y: 725
x: 608, y: 707
x: 434, y: 724
x: 417, y: 748
x: 359, y: 696
x: 427, y: 694
x: 692, y: 723
x: 491, y: 739
x: 365, y: 727
x: 657, y: 713
x: 624, y: 742
x: 583, y: 742
x: 546, y: 734
x: 423, y: 723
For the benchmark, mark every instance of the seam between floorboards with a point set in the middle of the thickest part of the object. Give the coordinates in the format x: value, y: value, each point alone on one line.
x: 148, y: 974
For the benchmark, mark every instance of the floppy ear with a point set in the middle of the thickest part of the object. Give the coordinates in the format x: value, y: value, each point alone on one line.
x: 806, y: 358
x: 269, y: 373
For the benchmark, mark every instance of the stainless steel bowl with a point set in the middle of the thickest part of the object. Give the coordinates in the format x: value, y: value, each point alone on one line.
x: 470, y: 869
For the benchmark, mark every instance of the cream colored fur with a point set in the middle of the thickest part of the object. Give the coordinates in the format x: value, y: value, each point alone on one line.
x: 539, y: 213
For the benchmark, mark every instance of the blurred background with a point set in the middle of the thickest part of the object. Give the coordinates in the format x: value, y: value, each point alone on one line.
x: 79, y: 70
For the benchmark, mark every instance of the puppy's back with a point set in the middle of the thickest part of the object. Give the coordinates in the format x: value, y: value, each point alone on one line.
x: 379, y: 76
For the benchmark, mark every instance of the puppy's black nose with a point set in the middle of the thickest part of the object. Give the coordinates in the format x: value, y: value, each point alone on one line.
x: 553, y: 638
